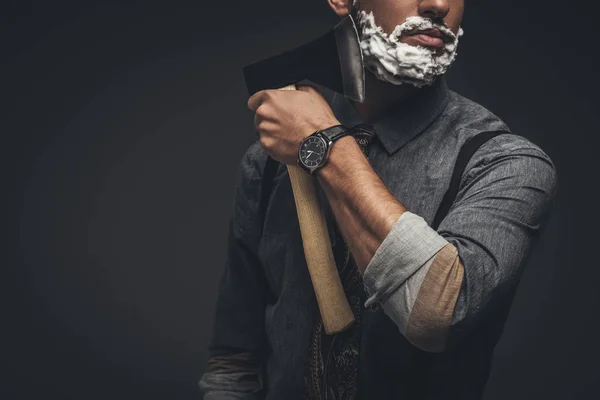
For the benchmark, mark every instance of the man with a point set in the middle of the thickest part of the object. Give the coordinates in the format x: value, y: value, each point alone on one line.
x: 429, y: 303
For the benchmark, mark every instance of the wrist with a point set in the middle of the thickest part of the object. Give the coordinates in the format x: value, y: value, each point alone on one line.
x: 315, y: 126
x: 315, y: 149
x: 325, y: 124
x: 345, y: 157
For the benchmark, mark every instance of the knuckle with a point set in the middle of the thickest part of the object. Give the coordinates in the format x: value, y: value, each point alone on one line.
x: 262, y: 126
x: 268, y: 95
x: 264, y: 142
x: 252, y: 101
x: 262, y: 110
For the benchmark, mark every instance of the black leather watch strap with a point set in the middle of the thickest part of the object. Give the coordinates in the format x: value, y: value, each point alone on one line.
x: 335, y: 132
x: 328, y: 135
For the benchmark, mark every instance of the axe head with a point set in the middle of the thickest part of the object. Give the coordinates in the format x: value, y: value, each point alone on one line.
x: 333, y: 60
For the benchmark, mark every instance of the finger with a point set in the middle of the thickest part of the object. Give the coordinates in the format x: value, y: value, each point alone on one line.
x: 255, y: 100
x: 266, y: 143
x: 266, y: 128
x: 257, y: 120
x: 258, y: 98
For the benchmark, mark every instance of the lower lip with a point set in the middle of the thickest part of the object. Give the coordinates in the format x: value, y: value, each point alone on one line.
x: 424, y: 40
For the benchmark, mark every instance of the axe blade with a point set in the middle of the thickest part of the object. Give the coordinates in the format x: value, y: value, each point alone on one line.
x: 333, y: 60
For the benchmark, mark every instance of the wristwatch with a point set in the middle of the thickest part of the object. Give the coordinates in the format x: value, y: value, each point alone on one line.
x: 314, y: 149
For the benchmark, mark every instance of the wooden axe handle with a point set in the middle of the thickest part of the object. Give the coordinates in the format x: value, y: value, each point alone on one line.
x: 333, y: 304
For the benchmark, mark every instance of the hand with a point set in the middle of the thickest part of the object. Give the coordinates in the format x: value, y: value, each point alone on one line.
x: 284, y: 117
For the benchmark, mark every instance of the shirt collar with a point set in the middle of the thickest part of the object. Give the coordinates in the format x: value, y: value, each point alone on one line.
x: 403, y: 121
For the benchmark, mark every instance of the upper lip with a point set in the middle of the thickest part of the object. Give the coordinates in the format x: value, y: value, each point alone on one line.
x: 435, y: 32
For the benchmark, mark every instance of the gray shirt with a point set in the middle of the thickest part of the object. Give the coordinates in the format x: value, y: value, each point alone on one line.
x: 444, y: 294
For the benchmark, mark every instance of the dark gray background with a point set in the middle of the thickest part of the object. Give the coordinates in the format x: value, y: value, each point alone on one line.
x: 122, y: 126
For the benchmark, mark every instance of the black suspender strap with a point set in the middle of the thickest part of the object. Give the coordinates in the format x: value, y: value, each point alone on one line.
x: 464, y: 156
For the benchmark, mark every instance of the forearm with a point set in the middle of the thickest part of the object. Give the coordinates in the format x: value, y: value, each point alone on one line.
x: 363, y: 206
x: 416, y: 273
x: 407, y: 266
x: 236, y: 350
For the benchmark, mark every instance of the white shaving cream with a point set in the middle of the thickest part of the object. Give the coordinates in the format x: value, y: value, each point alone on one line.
x: 393, y: 61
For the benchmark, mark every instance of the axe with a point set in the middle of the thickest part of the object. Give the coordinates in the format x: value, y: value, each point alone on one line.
x: 333, y: 60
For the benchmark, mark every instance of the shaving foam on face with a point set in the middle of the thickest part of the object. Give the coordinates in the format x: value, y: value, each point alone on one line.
x: 395, y: 62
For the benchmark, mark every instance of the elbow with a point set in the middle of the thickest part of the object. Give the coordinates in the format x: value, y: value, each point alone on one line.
x: 425, y: 318
x: 430, y: 319
x: 230, y: 385
x: 429, y: 334
x: 424, y: 327
x: 427, y: 325
x: 231, y: 376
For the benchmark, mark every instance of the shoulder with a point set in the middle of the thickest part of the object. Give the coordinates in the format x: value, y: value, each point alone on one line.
x: 469, y: 117
x: 513, y: 156
x: 514, y: 163
x: 248, y: 186
x: 250, y: 173
x: 509, y: 154
x: 252, y: 163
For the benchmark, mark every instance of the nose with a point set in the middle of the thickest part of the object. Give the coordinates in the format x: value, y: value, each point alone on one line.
x: 434, y: 9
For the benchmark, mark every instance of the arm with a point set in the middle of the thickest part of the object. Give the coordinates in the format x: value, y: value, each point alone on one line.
x: 236, y: 349
x: 363, y: 206
x: 431, y: 282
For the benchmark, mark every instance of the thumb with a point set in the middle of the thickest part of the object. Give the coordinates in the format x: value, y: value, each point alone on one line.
x: 307, y: 88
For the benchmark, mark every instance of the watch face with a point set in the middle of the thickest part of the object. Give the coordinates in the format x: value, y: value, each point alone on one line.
x: 312, y: 151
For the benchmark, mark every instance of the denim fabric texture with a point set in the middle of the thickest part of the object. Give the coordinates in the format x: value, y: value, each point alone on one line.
x: 266, y: 304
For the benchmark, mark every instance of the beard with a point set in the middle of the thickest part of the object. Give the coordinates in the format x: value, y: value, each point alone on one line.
x: 398, y: 63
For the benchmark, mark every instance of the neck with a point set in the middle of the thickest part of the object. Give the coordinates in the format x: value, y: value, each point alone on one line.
x: 381, y: 96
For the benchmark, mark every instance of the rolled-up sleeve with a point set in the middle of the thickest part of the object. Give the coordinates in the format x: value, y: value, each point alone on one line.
x: 437, y: 285
x: 237, y: 345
